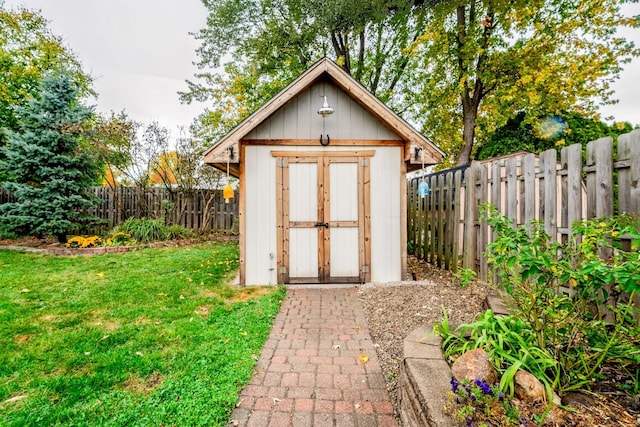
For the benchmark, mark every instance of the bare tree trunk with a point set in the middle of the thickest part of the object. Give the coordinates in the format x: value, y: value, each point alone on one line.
x: 470, y: 115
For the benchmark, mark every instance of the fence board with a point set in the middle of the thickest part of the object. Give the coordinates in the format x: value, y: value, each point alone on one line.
x: 528, y: 188
x: 549, y: 202
x: 511, y: 192
x: 456, y: 218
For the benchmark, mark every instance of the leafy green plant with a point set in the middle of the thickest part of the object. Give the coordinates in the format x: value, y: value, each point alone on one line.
x: 144, y: 230
x: 593, y: 322
x: 175, y: 232
x: 571, y: 305
x: 511, y: 345
x: 464, y: 276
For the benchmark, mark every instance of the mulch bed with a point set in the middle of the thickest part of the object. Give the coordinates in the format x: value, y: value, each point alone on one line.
x: 394, y: 310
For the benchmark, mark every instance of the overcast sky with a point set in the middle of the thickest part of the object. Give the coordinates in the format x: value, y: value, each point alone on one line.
x: 140, y: 54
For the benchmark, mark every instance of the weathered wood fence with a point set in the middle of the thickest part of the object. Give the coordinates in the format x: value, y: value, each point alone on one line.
x: 444, y: 227
x: 199, y: 209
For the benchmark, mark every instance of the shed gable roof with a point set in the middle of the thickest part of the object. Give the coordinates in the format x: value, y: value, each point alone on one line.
x: 217, y: 155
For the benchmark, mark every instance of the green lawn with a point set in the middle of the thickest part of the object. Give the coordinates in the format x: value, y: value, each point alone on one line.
x: 150, y: 337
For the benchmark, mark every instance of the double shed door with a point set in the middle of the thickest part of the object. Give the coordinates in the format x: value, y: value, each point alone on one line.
x: 323, y: 203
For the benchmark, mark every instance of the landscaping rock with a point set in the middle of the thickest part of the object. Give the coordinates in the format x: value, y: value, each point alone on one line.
x: 474, y: 365
x: 576, y: 400
x: 528, y: 388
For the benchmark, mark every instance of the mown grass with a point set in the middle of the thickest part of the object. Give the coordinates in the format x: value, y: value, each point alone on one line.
x: 151, y: 337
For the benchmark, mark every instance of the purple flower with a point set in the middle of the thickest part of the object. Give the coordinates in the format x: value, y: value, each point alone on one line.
x: 454, y: 384
x: 469, y: 422
x: 486, y: 389
x: 523, y: 420
x: 500, y: 397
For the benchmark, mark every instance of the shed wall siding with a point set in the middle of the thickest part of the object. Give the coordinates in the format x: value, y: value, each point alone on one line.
x: 298, y: 119
x: 260, y: 215
x: 386, y: 259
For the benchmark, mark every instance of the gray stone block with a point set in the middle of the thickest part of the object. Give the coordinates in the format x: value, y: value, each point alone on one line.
x: 424, y: 385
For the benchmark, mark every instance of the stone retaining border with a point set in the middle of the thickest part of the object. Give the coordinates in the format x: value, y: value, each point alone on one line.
x: 64, y: 251
x: 425, y: 377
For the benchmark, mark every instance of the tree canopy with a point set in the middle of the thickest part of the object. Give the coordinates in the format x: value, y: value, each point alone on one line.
x: 552, y: 132
x: 455, y: 69
x: 29, y: 51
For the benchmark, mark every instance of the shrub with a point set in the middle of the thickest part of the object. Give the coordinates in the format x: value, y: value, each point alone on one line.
x: 144, y: 230
x: 178, y: 232
x: 562, y: 337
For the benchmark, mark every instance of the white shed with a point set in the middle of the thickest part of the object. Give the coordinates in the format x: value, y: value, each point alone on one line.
x: 322, y: 197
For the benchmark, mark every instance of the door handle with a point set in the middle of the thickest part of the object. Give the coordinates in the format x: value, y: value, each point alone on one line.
x: 322, y: 224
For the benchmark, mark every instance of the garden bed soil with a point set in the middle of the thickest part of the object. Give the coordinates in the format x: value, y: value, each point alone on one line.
x: 394, y: 310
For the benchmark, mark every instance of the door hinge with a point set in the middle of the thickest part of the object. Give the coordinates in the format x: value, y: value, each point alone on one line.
x: 365, y: 268
x: 283, y: 270
x: 365, y: 162
x: 282, y: 163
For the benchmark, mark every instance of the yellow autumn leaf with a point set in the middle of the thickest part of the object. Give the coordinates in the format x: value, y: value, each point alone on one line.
x: 573, y: 281
x: 364, y: 358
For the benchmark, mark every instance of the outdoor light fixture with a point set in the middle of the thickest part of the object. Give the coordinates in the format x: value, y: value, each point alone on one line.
x: 325, y: 110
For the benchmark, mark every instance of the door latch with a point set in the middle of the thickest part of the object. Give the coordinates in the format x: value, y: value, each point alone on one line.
x: 322, y: 224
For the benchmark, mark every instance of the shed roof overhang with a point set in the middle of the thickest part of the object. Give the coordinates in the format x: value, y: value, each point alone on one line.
x: 419, y: 150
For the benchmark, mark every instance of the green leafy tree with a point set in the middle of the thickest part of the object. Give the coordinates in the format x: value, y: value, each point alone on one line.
x: 50, y: 170
x: 28, y: 51
x: 271, y: 42
x: 111, y: 137
x: 553, y: 132
x: 458, y: 70
x: 485, y: 60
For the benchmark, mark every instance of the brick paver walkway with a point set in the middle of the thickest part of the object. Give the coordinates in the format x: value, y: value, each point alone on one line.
x: 310, y: 372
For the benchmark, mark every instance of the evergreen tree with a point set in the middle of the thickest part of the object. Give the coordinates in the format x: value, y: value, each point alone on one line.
x: 50, y: 170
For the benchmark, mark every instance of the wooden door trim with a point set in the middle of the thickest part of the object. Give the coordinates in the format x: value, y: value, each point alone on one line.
x: 334, y: 142
x: 282, y: 219
x: 320, y: 154
x: 324, y: 250
x: 323, y: 160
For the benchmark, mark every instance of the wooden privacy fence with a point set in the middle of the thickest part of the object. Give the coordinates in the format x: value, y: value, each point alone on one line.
x: 198, y: 209
x: 444, y: 227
